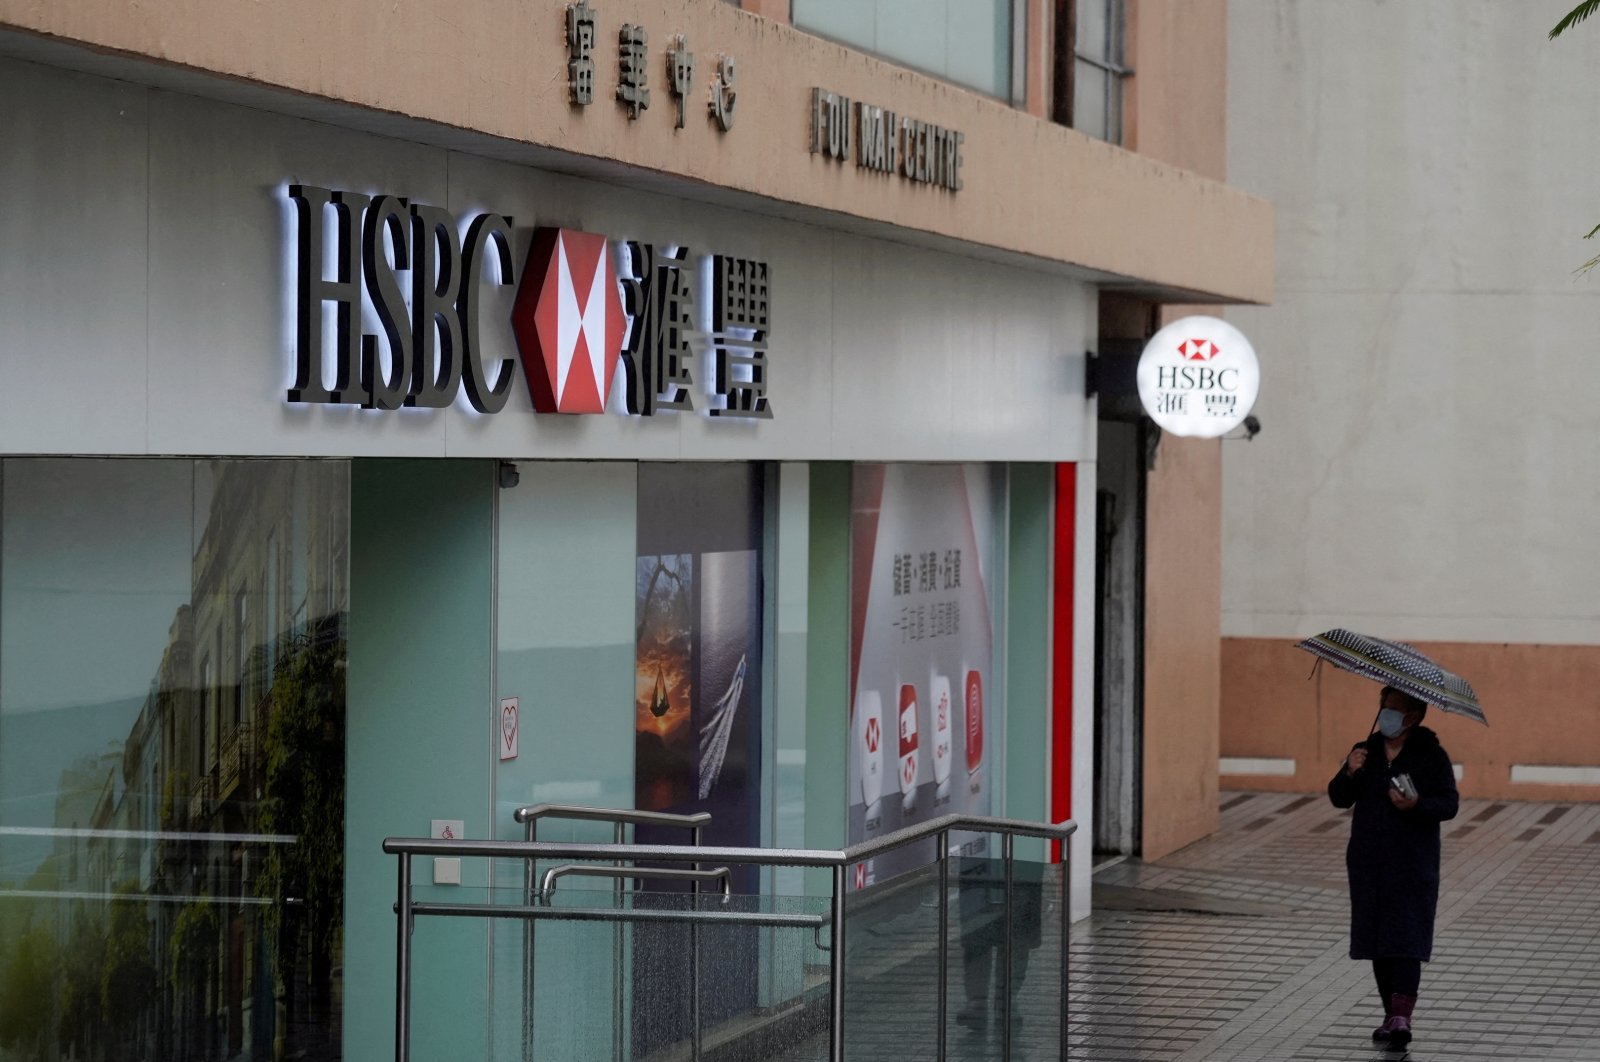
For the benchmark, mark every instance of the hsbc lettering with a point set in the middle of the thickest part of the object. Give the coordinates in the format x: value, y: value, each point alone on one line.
x: 1197, y: 378
x: 571, y: 322
x: 432, y: 341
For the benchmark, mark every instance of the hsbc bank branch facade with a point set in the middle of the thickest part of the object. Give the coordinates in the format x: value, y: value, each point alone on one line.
x: 354, y: 485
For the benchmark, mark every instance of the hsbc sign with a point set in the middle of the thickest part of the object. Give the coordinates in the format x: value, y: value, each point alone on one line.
x: 396, y: 286
x: 569, y: 322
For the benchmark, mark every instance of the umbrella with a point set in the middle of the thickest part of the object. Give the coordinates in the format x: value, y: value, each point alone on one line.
x: 1399, y: 665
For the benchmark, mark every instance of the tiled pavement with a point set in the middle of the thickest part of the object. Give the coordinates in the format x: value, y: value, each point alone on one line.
x: 1235, y: 947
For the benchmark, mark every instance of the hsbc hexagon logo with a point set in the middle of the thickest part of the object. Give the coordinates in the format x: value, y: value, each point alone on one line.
x: 568, y: 321
x: 1197, y: 350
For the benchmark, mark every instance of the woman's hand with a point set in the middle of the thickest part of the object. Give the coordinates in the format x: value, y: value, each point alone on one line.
x: 1355, y: 761
x: 1401, y: 803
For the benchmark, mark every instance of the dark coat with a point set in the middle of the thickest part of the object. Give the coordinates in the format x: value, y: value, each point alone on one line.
x: 1393, y: 856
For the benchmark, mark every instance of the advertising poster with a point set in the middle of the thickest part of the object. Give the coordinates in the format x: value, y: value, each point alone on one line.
x: 664, y: 685
x: 697, y: 714
x: 923, y: 721
x: 698, y: 650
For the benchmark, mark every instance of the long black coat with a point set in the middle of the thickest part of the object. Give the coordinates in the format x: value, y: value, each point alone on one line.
x: 1393, y: 856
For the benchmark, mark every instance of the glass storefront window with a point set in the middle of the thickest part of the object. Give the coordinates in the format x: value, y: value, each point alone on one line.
x: 171, y: 758
x: 631, y: 627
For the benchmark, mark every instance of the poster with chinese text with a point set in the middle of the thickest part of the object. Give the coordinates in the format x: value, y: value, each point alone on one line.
x: 924, y: 722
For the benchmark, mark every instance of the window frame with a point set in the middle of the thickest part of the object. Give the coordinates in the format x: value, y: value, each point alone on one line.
x: 1111, y: 62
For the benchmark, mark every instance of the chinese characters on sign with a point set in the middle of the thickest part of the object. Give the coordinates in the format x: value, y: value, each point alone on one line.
x: 657, y: 295
x: 880, y: 140
x: 738, y: 336
x: 680, y: 73
x: 633, y: 70
x: 633, y: 87
x: 580, y: 53
x: 722, y: 93
x: 661, y: 345
x: 927, y: 572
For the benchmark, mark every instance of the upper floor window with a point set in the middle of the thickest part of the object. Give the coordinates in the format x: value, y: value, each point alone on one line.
x: 1098, y: 70
x: 968, y: 42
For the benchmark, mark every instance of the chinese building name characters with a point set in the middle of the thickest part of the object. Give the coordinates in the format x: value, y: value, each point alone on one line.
x: 633, y: 70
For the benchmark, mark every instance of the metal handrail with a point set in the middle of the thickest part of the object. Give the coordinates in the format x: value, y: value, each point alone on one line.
x: 722, y: 874
x: 620, y: 818
x: 579, y: 813
x: 836, y: 860
x: 763, y: 857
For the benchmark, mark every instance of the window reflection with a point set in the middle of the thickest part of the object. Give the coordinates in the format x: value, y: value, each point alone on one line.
x: 172, y: 647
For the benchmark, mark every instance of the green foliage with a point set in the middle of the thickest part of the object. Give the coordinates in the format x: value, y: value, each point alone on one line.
x: 1591, y: 263
x: 27, y: 973
x: 192, y: 946
x: 1573, y: 17
x: 303, y: 796
x: 83, y: 962
x: 128, y: 978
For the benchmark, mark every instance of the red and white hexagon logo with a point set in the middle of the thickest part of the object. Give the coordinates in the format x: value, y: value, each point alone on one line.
x: 568, y: 321
x: 1197, y: 350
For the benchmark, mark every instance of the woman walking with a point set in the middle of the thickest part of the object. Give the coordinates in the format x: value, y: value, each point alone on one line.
x: 1400, y: 782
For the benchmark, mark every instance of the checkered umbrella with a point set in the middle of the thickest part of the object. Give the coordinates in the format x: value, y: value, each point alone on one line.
x: 1399, y: 665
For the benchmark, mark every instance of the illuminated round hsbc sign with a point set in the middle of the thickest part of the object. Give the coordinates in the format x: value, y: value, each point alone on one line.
x: 1198, y: 376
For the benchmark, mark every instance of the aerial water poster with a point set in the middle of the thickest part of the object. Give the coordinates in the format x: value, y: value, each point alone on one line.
x: 697, y: 716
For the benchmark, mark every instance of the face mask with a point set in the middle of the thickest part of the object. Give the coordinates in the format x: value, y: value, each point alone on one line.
x: 1391, y: 723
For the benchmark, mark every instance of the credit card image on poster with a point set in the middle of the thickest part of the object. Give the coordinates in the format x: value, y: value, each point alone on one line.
x: 974, y: 706
x: 908, y: 748
x: 943, y: 725
x: 869, y: 750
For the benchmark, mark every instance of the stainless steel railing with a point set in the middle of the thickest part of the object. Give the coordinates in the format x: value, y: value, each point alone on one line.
x: 837, y: 861
x: 620, y: 820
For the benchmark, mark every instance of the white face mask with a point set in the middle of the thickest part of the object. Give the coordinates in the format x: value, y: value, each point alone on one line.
x: 1391, y: 723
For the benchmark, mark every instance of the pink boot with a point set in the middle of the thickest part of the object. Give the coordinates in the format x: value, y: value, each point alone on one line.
x: 1396, y: 1032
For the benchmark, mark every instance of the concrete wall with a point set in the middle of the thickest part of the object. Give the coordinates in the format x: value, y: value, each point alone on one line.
x: 494, y: 72
x: 1424, y: 464
x: 1176, y: 111
x: 1177, y: 96
x: 1182, y: 664
x: 1540, y: 700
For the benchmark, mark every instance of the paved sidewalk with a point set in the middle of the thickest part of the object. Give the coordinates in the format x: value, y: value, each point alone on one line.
x: 1235, y: 948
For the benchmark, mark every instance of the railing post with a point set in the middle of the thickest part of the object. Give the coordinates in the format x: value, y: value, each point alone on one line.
x: 694, y: 962
x: 836, y: 971
x: 620, y: 833
x: 1006, y: 844
x: 944, y: 943
x: 402, y: 975
x: 530, y: 883
x: 1066, y: 923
